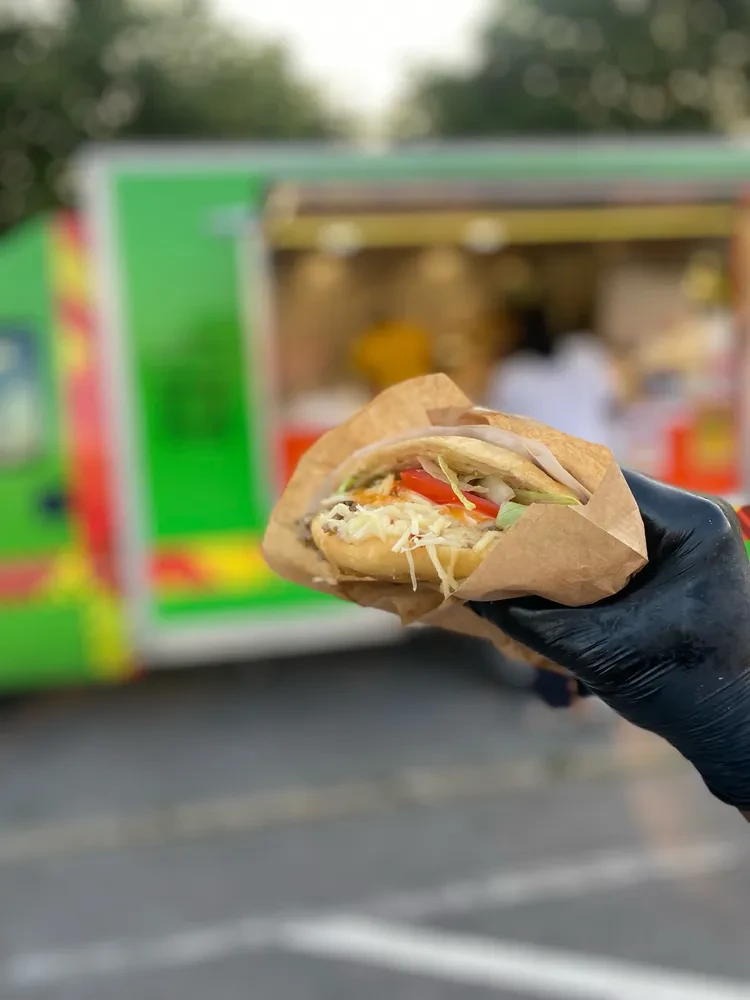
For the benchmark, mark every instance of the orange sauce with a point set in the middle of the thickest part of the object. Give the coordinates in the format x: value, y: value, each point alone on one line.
x: 456, y: 511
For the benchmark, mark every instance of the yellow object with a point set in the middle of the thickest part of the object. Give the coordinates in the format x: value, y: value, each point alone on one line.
x: 106, y: 635
x: 72, y: 580
x: 227, y: 565
x: 74, y: 355
x: 392, y: 352
x: 232, y: 566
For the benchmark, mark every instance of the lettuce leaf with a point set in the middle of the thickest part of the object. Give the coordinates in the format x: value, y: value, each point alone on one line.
x: 532, y: 496
x: 509, y: 514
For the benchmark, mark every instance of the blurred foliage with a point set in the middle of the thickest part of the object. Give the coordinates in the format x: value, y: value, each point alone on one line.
x: 114, y: 69
x: 577, y: 66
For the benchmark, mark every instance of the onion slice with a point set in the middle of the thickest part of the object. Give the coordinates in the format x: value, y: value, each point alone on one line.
x: 498, y: 490
x: 434, y: 470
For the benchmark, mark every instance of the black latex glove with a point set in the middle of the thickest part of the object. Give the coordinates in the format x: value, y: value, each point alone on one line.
x: 671, y: 652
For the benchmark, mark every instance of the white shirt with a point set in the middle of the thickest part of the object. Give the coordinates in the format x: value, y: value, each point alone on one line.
x: 573, y: 390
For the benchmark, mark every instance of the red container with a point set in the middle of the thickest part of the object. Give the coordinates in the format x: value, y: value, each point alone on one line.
x: 294, y: 442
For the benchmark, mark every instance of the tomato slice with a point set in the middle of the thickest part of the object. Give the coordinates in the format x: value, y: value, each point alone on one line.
x: 441, y: 493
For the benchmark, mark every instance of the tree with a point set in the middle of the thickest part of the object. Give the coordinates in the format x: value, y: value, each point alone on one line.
x: 113, y: 69
x: 576, y: 66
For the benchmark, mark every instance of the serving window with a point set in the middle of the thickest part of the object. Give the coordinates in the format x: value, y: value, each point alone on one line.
x: 363, y: 299
x: 21, y: 412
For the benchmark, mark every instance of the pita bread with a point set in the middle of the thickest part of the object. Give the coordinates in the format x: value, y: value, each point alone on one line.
x: 372, y: 557
x: 463, y: 455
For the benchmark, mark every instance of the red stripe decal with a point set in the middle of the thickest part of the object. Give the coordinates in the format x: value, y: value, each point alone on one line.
x: 172, y: 567
x: 75, y: 316
x: 70, y: 227
x: 21, y: 581
x: 89, y: 468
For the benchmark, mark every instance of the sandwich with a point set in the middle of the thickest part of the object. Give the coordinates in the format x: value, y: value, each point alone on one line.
x: 429, y: 508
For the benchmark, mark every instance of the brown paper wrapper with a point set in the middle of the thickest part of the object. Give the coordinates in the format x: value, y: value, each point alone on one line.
x: 571, y: 555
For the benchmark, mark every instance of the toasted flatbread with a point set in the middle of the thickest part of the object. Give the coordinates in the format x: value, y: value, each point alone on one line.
x: 374, y: 558
x: 463, y: 455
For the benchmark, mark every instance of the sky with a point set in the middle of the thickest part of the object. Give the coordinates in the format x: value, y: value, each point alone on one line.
x: 362, y: 53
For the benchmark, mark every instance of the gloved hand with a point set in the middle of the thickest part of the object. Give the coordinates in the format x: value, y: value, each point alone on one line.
x: 671, y: 652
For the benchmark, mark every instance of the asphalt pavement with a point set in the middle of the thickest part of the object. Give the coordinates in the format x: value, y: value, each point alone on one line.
x: 378, y: 824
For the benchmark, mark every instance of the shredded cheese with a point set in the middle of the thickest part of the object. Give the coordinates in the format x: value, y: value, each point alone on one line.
x: 412, y: 571
x: 439, y: 569
x: 486, y: 540
x: 410, y: 524
x: 386, y: 486
x: 407, y: 521
x: 454, y: 484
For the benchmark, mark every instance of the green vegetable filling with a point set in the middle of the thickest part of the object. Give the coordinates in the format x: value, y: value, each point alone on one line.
x: 509, y: 514
x: 532, y: 496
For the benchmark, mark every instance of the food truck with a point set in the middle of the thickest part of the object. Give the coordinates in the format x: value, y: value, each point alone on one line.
x: 169, y: 350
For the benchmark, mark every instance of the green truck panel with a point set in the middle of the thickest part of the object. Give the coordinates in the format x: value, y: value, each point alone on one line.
x: 43, y: 636
x: 26, y: 309
x: 43, y: 645
x: 186, y: 348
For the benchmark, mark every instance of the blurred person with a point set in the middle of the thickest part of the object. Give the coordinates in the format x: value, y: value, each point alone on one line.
x: 390, y: 351
x: 589, y: 368
x: 568, y: 383
x: 671, y: 652
x: 525, y: 380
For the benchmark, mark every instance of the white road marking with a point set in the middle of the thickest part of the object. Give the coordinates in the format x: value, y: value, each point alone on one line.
x: 595, y: 873
x: 503, y: 889
x: 539, y: 971
x: 190, y: 947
